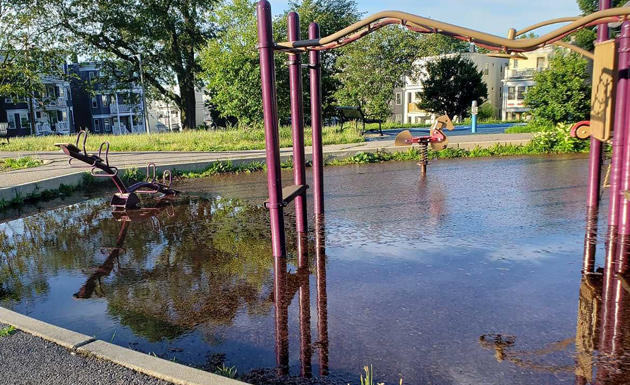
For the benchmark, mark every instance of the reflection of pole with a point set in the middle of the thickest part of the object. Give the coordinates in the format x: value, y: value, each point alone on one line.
x: 316, y: 118
x: 306, y: 352
x: 272, y: 141
x: 282, y: 318
x: 322, y: 299
x: 297, y: 122
x: 586, y: 337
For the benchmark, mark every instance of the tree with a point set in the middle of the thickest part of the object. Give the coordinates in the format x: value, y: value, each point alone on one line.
x: 562, y: 93
x: 230, y: 62
x: 371, y: 68
x: 28, y: 52
x: 585, y: 37
x: 168, y: 35
x: 449, y: 86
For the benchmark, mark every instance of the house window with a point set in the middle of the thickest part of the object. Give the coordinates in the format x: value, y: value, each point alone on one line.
x: 97, y: 125
x: 94, y: 102
x: 520, y: 93
x: 540, y: 63
x: 62, y: 92
x: 8, y: 100
x: 398, y: 98
x: 515, y: 63
x: 24, y: 122
x: 106, y: 125
x: 38, y: 114
x: 11, y: 120
x: 409, y: 98
x: 91, y: 75
x: 510, y: 93
x: 64, y: 115
x: 105, y: 100
x: 486, y: 69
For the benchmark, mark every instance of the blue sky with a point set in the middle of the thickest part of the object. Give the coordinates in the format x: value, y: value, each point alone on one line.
x: 492, y: 16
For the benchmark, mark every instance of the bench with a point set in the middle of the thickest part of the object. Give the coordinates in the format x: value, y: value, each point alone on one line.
x: 347, y: 113
x: 4, y: 132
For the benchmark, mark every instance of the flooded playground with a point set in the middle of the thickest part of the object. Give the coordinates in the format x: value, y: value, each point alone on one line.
x: 469, y: 276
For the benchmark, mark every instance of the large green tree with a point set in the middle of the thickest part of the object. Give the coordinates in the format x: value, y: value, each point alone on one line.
x: 167, y: 35
x: 29, y: 52
x: 562, y: 93
x: 371, y: 68
x: 230, y: 62
x: 449, y: 86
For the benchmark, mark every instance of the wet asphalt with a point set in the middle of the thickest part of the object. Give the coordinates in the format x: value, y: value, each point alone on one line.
x: 29, y: 360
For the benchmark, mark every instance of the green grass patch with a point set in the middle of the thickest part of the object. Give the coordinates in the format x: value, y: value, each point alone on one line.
x: 19, y: 163
x: 192, y: 140
x: 7, y: 331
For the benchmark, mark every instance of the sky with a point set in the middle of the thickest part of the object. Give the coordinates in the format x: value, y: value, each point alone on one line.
x: 491, y: 16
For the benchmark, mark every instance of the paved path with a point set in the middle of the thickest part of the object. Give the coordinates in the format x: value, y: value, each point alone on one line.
x: 28, y: 360
x: 56, y: 169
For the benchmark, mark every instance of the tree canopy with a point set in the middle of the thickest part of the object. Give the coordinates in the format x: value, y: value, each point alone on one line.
x: 167, y: 35
x: 585, y: 37
x: 449, y: 86
x: 371, y: 68
x: 562, y: 93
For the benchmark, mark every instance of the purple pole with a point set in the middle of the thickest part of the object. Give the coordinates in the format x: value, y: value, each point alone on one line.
x: 623, y: 204
x: 316, y: 122
x: 594, y: 176
x: 282, y: 316
x: 272, y: 143
x: 297, y: 122
x: 618, y: 149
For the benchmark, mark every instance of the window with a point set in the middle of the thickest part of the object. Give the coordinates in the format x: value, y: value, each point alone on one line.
x: 38, y: 114
x: 510, y: 93
x: 520, y: 95
x: 409, y: 98
x: 97, y: 125
x: 398, y: 98
x: 94, y: 103
x: 24, y: 122
x: 106, y: 125
x: 8, y: 100
x: 486, y: 69
x: 91, y: 75
x: 62, y: 92
x: 515, y: 63
x: 540, y: 63
x: 11, y: 120
x: 105, y: 100
x: 64, y: 115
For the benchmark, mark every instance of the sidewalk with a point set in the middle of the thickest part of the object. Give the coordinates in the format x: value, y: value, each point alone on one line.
x: 56, y: 170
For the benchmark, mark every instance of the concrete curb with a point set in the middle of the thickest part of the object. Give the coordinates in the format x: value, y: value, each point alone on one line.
x: 66, y: 338
x: 140, y: 362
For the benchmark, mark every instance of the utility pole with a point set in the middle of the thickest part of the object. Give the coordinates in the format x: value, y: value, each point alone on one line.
x: 145, y: 116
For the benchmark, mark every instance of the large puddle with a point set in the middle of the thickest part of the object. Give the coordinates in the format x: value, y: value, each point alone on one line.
x: 417, y: 278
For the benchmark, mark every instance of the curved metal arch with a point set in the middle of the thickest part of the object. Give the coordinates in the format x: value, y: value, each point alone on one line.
x: 425, y: 25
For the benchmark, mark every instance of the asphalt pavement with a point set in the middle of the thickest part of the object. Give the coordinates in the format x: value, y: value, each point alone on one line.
x: 30, y: 360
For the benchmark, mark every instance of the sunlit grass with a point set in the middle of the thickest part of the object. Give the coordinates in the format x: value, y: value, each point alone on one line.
x: 19, y: 163
x: 193, y: 140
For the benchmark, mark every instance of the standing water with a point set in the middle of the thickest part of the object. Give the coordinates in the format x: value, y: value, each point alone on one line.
x: 470, y: 276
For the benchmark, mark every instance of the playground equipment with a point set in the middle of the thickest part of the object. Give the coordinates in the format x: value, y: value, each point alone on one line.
x: 295, y: 47
x: 436, y: 138
x: 126, y: 197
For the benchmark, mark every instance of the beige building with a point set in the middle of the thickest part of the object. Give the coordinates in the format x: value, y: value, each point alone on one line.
x: 405, y: 99
x: 519, y: 77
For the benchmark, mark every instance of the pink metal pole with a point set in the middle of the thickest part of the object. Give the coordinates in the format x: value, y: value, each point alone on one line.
x: 594, y: 176
x: 297, y: 122
x: 316, y: 122
x: 306, y: 348
x: 281, y: 303
x: 624, y: 205
x: 272, y: 143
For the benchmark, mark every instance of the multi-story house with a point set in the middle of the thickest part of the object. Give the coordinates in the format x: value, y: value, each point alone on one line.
x: 405, y: 107
x: 519, y: 77
x: 105, y: 110
x: 52, y: 110
x: 165, y: 116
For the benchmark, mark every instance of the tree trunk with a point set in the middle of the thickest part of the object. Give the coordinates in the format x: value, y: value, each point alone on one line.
x: 188, y: 103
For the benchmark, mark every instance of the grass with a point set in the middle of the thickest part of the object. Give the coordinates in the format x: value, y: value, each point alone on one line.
x: 19, y: 163
x: 193, y: 140
x: 7, y: 331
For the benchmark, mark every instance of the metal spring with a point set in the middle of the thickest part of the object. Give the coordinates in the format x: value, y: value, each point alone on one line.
x: 424, y: 153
